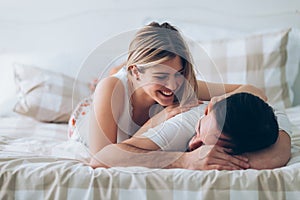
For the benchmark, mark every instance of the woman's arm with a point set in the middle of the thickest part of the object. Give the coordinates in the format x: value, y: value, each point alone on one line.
x: 204, y: 158
x: 207, y: 90
x: 105, y: 113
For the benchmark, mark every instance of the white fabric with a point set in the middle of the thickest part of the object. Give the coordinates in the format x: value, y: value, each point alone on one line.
x: 36, y: 157
x: 283, y: 121
x: 126, y: 126
x: 174, y: 134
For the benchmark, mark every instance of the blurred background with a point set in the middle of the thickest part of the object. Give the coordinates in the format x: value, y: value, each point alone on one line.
x: 60, y: 34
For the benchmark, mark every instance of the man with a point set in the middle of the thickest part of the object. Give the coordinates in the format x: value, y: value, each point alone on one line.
x: 174, y: 134
x: 242, y: 122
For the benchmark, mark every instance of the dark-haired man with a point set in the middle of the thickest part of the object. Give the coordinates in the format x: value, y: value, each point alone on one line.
x: 242, y: 122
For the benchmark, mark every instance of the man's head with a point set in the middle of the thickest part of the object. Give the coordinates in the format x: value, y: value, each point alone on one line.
x: 243, y: 122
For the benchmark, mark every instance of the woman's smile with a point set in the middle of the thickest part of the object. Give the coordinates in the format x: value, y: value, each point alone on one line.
x: 167, y: 93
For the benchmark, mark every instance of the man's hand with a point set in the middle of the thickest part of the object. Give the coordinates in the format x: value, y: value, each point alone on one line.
x: 209, y: 157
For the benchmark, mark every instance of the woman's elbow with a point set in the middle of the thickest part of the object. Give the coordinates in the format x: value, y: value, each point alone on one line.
x: 103, y: 157
x: 96, y: 163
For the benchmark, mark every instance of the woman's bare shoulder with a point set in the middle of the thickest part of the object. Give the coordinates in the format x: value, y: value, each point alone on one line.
x: 110, y: 89
x: 109, y: 84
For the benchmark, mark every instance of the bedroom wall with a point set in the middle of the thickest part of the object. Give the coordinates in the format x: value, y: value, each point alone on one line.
x: 60, y: 34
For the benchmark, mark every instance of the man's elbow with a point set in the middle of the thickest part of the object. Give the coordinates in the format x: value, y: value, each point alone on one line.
x: 286, y: 153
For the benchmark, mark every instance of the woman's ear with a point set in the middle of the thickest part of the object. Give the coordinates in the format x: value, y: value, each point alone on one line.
x: 135, y: 72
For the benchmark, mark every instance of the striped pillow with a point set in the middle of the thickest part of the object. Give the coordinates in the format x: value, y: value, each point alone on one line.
x: 259, y: 60
x: 46, y: 96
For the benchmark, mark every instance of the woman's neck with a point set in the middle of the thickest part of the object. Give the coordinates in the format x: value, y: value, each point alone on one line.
x: 141, y: 104
x: 141, y: 100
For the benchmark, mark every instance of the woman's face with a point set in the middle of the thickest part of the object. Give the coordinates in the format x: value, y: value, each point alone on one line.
x: 161, y: 82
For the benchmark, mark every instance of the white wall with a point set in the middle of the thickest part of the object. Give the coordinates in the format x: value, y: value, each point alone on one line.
x: 68, y: 25
x: 59, y: 33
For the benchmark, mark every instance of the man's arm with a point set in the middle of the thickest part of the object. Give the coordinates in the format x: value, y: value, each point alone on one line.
x: 279, y: 153
x: 273, y: 157
x: 203, y: 158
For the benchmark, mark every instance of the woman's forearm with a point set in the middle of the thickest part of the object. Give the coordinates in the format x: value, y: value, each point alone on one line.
x: 204, y: 158
x: 208, y: 90
x: 125, y: 155
x: 251, y: 89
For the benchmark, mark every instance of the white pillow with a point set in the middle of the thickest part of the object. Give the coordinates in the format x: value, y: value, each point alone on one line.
x: 54, y: 62
x: 47, y: 96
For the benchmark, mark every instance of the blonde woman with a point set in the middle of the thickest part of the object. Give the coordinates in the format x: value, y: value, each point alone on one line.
x: 157, y: 83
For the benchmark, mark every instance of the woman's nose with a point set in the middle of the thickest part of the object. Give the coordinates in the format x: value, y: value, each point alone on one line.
x: 172, y: 84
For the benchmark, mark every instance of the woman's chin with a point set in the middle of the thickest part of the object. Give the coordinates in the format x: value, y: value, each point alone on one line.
x: 165, y: 103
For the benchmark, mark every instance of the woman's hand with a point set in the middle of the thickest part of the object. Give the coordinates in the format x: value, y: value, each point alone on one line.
x: 169, y: 112
x: 209, y: 157
x: 214, y: 100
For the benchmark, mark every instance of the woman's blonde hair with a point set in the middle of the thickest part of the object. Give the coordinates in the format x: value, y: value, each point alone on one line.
x: 157, y: 43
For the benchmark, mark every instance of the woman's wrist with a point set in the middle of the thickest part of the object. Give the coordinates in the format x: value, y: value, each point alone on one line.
x: 252, y: 90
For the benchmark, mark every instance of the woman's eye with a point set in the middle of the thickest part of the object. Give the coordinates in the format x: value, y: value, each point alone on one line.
x: 179, y: 74
x: 161, y: 77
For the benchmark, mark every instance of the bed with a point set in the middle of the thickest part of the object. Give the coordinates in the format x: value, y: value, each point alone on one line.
x: 37, y: 161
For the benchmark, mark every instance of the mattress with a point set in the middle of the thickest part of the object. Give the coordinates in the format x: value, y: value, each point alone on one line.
x: 38, y: 162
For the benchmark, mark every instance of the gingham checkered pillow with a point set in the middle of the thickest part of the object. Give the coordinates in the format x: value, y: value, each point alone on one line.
x: 46, y: 96
x: 259, y: 60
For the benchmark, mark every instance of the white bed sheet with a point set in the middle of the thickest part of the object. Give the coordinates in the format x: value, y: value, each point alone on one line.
x: 38, y: 162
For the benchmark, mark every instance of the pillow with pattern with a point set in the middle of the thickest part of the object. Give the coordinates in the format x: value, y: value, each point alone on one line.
x: 259, y: 60
x: 45, y: 95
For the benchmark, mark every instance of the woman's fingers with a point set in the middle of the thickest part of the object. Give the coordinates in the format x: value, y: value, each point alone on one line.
x: 176, y: 109
x: 213, y: 101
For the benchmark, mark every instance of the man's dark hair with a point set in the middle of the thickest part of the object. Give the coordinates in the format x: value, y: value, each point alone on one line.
x: 249, y: 122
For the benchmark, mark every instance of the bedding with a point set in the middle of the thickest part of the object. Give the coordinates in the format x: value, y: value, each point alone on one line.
x: 45, y: 95
x: 37, y: 161
x: 258, y: 59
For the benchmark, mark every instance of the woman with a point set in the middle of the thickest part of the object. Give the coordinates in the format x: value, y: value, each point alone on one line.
x: 158, y: 71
